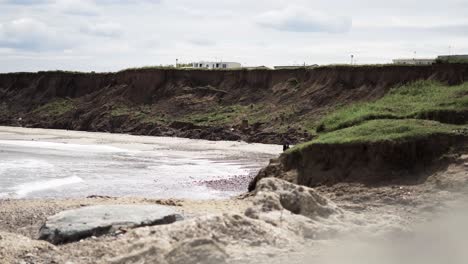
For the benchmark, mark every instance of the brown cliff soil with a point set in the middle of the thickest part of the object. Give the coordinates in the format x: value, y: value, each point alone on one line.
x: 277, y: 105
x: 408, y: 161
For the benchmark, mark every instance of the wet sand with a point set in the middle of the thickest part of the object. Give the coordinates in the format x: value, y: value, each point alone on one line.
x: 42, y: 163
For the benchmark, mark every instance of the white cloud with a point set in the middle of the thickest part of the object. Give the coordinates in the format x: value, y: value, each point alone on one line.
x: 77, y: 7
x: 146, y: 32
x: 108, y: 29
x: 202, y: 42
x: 29, y: 34
x: 24, y: 2
x: 298, y: 19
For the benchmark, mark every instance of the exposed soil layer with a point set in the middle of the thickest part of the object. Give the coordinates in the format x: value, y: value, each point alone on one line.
x: 387, y: 162
x: 252, y: 105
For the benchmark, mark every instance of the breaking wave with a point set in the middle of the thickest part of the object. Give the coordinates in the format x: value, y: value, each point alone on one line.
x: 23, y: 190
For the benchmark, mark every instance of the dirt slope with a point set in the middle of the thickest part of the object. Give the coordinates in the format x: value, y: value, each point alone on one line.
x: 202, y: 104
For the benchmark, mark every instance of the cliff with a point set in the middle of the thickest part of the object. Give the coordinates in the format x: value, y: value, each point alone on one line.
x: 253, y: 105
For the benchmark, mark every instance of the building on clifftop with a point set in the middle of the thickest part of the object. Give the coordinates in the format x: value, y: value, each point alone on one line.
x: 216, y: 65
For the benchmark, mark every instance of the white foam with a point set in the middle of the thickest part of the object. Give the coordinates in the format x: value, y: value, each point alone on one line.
x: 23, y: 190
x: 62, y: 146
x: 24, y: 164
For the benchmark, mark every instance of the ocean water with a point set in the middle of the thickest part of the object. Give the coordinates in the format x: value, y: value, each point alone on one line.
x: 44, y: 168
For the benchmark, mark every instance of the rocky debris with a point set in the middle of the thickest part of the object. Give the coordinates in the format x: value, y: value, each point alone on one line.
x: 73, y: 225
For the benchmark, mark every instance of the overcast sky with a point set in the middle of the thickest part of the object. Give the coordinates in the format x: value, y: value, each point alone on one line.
x: 109, y: 35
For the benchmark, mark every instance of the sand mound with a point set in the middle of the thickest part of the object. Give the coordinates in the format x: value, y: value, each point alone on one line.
x: 282, y: 217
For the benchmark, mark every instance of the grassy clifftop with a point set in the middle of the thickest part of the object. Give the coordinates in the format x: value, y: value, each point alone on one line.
x: 417, y: 100
x: 416, y: 110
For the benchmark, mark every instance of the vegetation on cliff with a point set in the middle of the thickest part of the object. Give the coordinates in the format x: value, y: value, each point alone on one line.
x: 55, y: 108
x: 415, y: 110
x: 415, y: 100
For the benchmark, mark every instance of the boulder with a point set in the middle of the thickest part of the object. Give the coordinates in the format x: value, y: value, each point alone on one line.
x: 74, y: 225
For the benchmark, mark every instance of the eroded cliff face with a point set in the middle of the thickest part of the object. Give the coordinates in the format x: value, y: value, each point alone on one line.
x: 277, y: 105
x: 407, y: 161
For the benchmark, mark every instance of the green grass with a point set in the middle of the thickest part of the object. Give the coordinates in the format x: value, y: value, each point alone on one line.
x: 379, y: 130
x: 383, y: 130
x: 398, y: 116
x: 55, y: 108
x: 234, y: 114
x: 409, y: 101
x: 143, y: 113
x: 120, y: 110
x: 224, y: 115
x: 452, y: 60
x: 219, y: 115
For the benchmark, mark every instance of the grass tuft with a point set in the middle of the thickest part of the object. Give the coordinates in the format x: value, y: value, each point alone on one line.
x: 55, y: 108
x: 383, y: 130
x: 409, y: 101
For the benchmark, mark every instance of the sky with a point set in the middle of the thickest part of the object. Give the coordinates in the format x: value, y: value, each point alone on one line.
x: 110, y: 35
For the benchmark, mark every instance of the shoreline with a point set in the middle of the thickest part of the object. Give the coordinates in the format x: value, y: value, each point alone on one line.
x: 117, y: 139
x: 154, y: 163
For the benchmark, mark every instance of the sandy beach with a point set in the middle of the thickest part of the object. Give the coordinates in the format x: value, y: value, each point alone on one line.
x: 245, y: 228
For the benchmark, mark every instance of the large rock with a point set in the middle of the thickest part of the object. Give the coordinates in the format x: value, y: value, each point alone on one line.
x: 73, y: 225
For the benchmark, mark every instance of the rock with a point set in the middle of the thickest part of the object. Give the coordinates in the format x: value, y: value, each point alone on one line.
x: 74, y: 225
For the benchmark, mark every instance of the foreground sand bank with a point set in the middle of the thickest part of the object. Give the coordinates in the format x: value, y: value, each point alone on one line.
x: 278, y: 223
